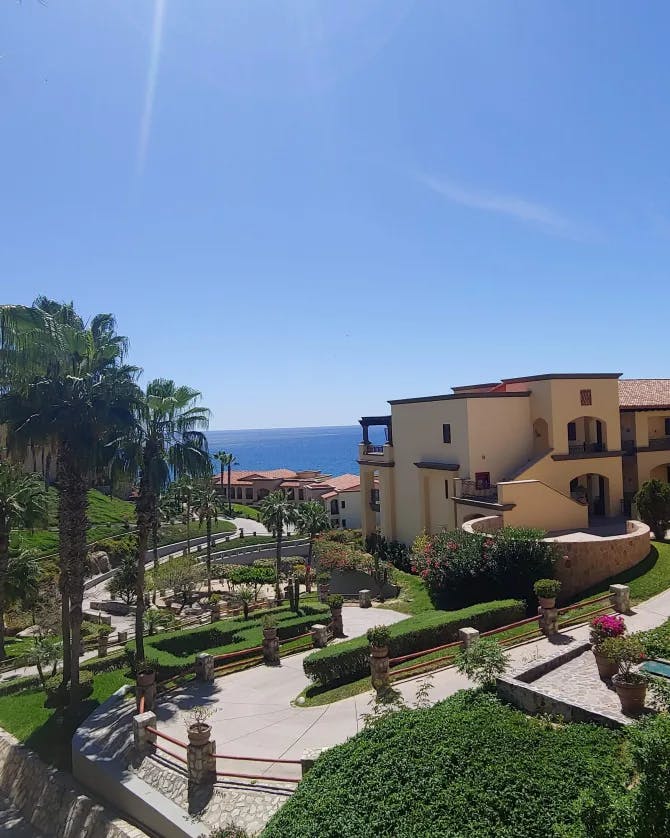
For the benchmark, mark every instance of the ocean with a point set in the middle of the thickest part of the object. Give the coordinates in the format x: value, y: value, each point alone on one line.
x: 333, y: 450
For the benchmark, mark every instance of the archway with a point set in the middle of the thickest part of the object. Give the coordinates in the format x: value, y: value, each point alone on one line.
x: 586, y: 435
x: 661, y: 473
x: 540, y: 437
x: 592, y: 490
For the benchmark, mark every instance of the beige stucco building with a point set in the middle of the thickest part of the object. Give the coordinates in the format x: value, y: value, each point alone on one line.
x: 558, y: 452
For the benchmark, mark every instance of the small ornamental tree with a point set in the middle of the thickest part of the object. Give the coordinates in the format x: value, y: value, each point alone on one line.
x: 653, y: 506
x: 123, y: 585
x: 483, y: 661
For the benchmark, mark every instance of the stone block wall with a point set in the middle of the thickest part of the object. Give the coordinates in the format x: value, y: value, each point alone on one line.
x: 51, y: 801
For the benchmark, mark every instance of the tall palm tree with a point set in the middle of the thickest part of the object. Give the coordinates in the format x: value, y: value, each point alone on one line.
x: 276, y: 512
x: 312, y: 519
x: 71, y: 389
x: 226, y: 460
x: 22, y: 504
x: 208, y: 510
x: 184, y: 488
x: 167, y: 442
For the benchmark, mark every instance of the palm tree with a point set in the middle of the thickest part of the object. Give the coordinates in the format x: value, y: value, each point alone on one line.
x: 167, y: 441
x: 312, y: 519
x: 208, y: 510
x: 277, y: 511
x: 184, y: 488
x: 63, y: 383
x: 22, y: 504
x: 226, y: 460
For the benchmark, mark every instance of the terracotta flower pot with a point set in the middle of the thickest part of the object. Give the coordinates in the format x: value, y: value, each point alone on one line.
x: 198, y: 734
x: 607, y: 668
x: 379, y: 651
x: 547, y: 601
x: 630, y: 695
x: 146, y: 679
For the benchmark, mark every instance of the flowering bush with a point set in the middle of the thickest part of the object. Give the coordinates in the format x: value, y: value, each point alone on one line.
x: 602, y: 628
x: 461, y: 568
x: 333, y: 555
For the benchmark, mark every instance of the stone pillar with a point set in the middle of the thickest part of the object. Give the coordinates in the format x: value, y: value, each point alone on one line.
x: 324, y: 591
x: 319, y: 635
x: 215, y: 614
x: 102, y: 645
x: 308, y: 759
x: 204, y: 667
x: 365, y: 598
x: 379, y: 667
x: 145, y: 687
x: 122, y: 636
x: 338, y: 626
x: 143, y: 740
x: 548, y: 621
x: 620, y: 596
x: 467, y: 636
x: 270, y: 647
x: 201, y: 763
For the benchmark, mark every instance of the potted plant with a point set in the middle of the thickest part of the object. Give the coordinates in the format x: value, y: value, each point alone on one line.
x: 378, y: 638
x: 323, y: 584
x: 269, y: 626
x: 335, y: 602
x: 197, y: 727
x: 630, y: 685
x: 602, y: 629
x: 546, y: 590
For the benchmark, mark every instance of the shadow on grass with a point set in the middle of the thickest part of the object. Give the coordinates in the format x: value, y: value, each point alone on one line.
x: 52, y: 740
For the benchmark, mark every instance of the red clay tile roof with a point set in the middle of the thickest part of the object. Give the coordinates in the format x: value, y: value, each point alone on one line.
x: 344, y: 483
x: 245, y: 477
x: 644, y: 392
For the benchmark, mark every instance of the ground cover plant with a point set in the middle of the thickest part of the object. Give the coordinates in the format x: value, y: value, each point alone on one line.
x: 348, y: 661
x: 469, y: 767
x: 172, y: 653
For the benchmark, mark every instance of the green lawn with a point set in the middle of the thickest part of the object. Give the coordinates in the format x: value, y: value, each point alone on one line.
x: 414, y: 597
x: 48, y: 731
x: 243, y: 511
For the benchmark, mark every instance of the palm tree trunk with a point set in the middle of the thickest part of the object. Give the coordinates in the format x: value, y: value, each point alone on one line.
x: 278, y: 596
x: 221, y: 476
x: 209, y: 555
x: 230, y: 502
x: 4, y: 562
x: 146, y: 513
x: 72, y: 523
x: 154, y: 544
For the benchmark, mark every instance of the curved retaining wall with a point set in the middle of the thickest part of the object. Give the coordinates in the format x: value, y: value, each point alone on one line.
x: 586, y: 560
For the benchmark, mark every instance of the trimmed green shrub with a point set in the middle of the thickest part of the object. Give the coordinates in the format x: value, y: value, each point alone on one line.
x: 469, y: 767
x: 650, y: 746
x: 547, y: 588
x: 172, y: 653
x: 58, y: 695
x: 348, y: 661
x: 653, y: 506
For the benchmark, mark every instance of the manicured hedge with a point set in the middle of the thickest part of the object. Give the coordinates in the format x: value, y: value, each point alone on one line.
x: 172, y: 653
x: 348, y: 661
x: 470, y: 767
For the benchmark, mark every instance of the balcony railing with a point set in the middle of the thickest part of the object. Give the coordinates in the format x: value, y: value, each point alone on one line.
x: 472, y: 490
x: 374, y: 449
x: 579, y: 449
x: 660, y: 443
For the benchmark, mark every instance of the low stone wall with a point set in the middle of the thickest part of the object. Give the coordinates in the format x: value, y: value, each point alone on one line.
x: 489, y: 525
x: 584, y: 563
x: 51, y: 801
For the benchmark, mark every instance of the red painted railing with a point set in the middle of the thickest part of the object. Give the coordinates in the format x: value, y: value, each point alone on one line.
x: 237, y: 653
x: 259, y: 759
x: 500, y: 629
x: 401, y: 658
x: 584, y: 604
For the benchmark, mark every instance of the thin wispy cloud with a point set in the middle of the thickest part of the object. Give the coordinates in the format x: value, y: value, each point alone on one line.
x: 510, y: 205
x: 152, y: 78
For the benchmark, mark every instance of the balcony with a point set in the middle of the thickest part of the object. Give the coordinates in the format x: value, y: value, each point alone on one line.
x: 373, y: 449
x: 583, y: 449
x: 659, y: 443
x: 472, y: 490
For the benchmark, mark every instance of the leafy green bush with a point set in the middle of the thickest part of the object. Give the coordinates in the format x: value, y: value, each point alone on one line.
x: 650, y: 804
x: 392, y: 552
x: 118, y: 548
x: 470, y: 767
x: 335, y: 555
x: 462, y: 568
x: 348, y: 661
x: 547, y: 588
x: 657, y: 641
x: 483, y: 661
x: 653, y: 506
x: 335, y: 601
x: 378, y: 636
x: 58, y: 695
x: 172, y: 653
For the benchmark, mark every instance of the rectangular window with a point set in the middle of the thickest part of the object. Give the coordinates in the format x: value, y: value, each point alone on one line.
x: 446, y: 489
x: 667, y: 427
x: 585, y: 397
x: 446, y: 433
x: 239, y: 493
x: 342, y: 504
x: 572, y: 431
x: 334, y: 510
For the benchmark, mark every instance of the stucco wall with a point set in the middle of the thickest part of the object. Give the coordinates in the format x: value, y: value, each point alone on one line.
x: 538, y: 505
x: 51, y: 801
x: 581, y: 564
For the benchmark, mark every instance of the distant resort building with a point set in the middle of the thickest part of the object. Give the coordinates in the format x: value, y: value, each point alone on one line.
x: 340, y: 495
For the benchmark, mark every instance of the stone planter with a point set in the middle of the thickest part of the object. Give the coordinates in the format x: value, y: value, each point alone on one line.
x: 547, y: 601
x: 630, y: 695
x: 146, y: 679
x: 607, y: 668
x: 379, y: 651
x: 338, y: 625
x: 198, y: 734
x: 324, y: 591
x: 379, y: 667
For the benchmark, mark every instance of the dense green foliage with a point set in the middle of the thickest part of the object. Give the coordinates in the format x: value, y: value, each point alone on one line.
x: 393, y: 552
x: 653, y: 506
x: 348, y: 661
x: 469, y: 767
x: 657, y: 641
x: 332, y: 555
x: 461, y: 568
x: 171, y: 653
x: 650, y: 799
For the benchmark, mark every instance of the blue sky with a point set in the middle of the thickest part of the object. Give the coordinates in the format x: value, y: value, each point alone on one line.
x: 307, y: 208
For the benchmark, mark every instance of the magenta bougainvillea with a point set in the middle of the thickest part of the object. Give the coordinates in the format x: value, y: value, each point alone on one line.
x: 609, y: 625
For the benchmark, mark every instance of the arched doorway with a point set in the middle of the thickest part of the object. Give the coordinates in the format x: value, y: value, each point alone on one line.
x: 586, y: 435
x: 592, y: 490
x: 540, y: 437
